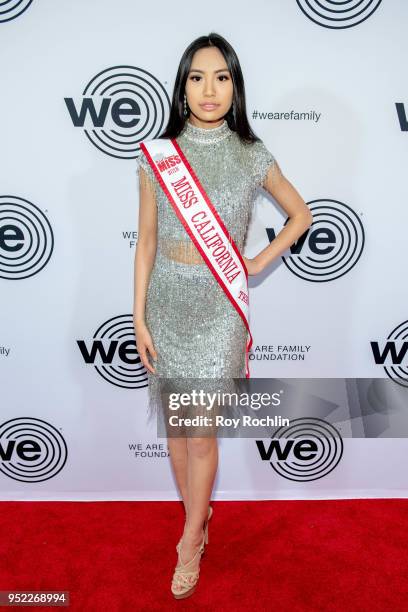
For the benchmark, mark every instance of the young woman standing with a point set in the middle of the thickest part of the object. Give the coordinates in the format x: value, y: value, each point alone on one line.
x: 185, y: 324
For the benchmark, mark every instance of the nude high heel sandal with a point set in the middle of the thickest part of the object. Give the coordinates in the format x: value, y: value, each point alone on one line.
x: 185, y: 578
x: 186, y: 575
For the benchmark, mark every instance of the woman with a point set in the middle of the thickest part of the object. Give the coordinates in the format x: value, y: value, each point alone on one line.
x: 184, y: 322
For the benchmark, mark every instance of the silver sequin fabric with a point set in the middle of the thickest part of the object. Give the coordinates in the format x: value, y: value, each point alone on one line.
x: 196, y: 331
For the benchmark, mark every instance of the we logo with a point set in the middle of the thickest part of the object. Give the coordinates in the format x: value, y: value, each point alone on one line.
x: 120, y: 107
x: 330, y: 247
x: 112, y: 351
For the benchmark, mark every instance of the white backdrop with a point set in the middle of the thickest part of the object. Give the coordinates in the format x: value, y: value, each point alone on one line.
x: 82, y: 83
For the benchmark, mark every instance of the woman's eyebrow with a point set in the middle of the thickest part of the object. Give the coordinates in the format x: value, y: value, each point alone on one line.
x: 203, y: 71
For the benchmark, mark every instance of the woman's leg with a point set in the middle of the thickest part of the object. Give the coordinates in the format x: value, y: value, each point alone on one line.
x: 178, y: 457
x: 201, y: 470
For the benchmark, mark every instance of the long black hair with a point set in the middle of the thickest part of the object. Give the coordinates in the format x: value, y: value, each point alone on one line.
x: 236, y: 117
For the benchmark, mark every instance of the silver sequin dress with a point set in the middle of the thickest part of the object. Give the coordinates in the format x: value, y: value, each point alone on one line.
x: 196, y: 331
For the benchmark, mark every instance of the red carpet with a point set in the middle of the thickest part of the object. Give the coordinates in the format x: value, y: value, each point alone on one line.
x: 348, y: 555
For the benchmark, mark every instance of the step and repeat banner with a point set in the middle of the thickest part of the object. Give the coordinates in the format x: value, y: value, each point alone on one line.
x: 82, y: 84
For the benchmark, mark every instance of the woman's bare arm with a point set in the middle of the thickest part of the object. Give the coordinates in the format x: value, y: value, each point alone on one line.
x: 300, y: 218
x: 143, y: 263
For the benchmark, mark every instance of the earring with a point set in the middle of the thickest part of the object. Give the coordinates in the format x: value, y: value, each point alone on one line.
x: 185, y: 106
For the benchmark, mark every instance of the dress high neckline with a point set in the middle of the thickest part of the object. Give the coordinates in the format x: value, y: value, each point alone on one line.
x: 206, y: 135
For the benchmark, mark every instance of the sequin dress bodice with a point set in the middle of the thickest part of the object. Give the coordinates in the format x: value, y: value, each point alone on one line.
x: 230, y: 172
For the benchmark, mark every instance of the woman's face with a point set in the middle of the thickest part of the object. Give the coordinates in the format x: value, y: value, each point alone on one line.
x: 208, y: 83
